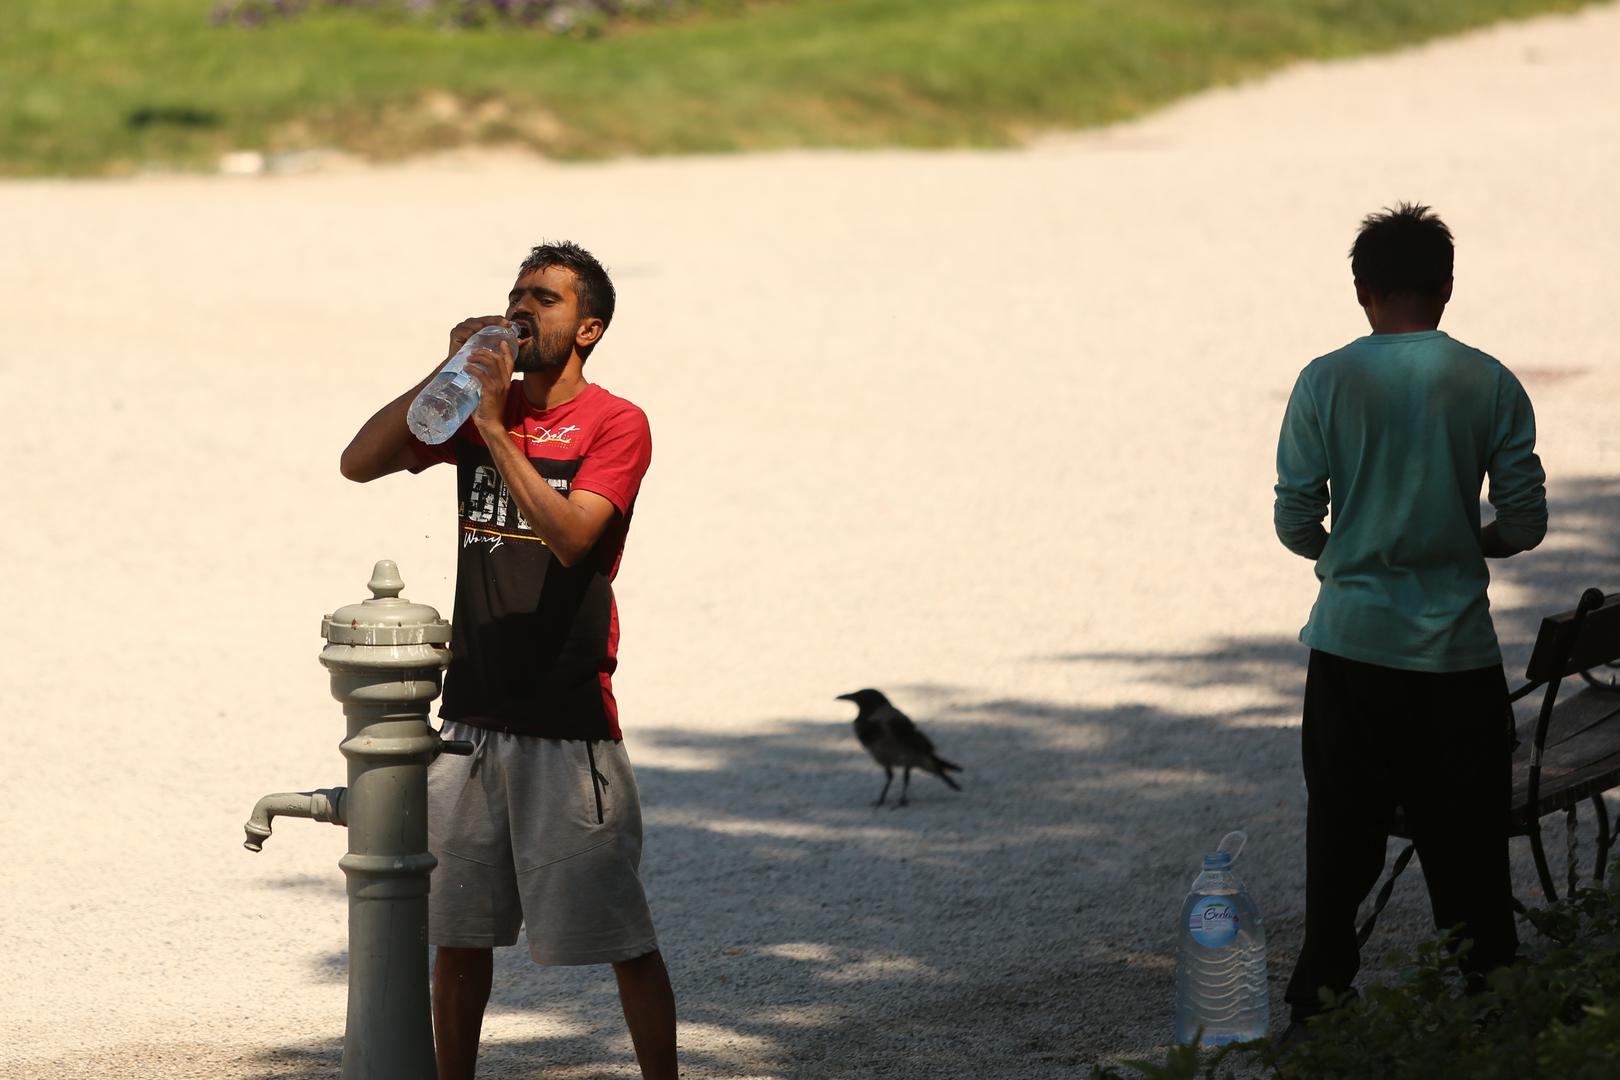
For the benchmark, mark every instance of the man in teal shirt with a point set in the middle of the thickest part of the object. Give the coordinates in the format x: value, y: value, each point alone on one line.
x: 1405, y: 699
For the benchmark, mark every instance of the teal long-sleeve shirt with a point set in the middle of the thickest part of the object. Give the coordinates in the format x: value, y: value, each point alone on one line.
x: 1397, y: 433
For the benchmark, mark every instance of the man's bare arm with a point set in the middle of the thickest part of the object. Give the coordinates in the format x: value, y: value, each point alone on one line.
x: 383, y: 444
x: 569, y: 524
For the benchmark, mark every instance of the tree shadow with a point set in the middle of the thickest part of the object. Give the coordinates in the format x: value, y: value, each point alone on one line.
x: 1013, y: 929
x: 1580, y: 552
x: 1021, y: 928
x: 316, y: 1061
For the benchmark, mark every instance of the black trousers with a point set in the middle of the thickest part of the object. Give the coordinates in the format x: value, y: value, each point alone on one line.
x: 1436, y: 744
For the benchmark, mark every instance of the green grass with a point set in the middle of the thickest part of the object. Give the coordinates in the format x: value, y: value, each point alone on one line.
x: 109, y: 86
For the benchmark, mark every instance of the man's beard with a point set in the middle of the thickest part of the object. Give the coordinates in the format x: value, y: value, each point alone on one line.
x: 546, y: 351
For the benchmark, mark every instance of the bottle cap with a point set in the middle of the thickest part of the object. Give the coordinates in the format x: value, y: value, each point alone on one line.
x: 1217, y: 860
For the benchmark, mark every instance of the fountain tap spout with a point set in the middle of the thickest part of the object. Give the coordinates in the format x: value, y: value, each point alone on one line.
x: 324, y: 804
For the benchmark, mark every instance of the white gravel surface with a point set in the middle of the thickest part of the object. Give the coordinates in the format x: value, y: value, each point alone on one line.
x: 990, y: 431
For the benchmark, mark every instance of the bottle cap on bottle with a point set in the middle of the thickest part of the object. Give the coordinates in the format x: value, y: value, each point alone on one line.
x: 1217, y: 860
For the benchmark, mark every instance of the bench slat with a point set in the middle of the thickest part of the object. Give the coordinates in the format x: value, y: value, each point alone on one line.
x: 1574, y: 713
x: 1562, y: 789
x: 1581, y: 758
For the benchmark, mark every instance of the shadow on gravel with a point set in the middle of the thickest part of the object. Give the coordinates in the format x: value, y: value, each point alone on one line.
x: 1018, y: 928
x: 1021, y: 928
x: 1582, y: 550
x: 320, y: 1061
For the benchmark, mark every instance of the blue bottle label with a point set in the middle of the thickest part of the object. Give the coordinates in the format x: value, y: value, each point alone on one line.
x: 1213, y: 921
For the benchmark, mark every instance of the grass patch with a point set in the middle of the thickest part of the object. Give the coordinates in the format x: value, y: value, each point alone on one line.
x: 110, y: 86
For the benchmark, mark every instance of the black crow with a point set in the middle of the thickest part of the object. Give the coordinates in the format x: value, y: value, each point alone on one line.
x: 892, y: 739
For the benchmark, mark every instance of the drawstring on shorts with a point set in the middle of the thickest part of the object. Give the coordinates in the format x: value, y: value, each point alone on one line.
x: 480, y: 744
x: 598, y: 781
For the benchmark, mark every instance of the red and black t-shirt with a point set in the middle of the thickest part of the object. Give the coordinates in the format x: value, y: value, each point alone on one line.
x: 534, y: 643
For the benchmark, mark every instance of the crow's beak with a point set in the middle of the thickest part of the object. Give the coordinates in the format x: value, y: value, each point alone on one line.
x: 845, y: 697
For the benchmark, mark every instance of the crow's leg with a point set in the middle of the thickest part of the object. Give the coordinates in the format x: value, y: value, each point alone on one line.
x: 888, y: 775
x: 905, y: 786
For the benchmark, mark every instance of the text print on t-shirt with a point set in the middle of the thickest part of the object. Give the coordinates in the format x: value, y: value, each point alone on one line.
x: 491, y: 516
x: 562, y: 435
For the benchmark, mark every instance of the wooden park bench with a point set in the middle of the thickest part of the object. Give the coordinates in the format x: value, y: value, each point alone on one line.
x: 1574, y: 754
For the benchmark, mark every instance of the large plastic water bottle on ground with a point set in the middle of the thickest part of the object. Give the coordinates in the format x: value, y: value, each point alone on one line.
x: 445, y: 403
x: 1221, y: 959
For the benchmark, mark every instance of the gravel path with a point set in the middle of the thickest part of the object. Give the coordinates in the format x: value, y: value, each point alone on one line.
x: 990, y: 431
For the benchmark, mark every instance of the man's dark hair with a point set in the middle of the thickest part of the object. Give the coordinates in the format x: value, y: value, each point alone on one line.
x: 591, y: 283
x: 1404, y: 250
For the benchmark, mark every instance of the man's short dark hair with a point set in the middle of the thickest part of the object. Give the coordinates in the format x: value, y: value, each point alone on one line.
x: 1404, y: 250
x: 591, y: 283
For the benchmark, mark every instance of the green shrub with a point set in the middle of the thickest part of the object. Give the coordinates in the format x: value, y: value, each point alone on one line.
x: 1555, y: 1014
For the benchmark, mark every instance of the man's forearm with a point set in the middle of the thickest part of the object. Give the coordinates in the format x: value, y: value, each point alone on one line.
x: 1306, y: 541
x: 1493, y: 545
x: 379, y: 447
x: 1297, y: 518
x: 553, y: 516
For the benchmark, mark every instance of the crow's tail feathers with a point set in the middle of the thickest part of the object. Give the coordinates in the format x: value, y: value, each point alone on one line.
x: 942, y: 768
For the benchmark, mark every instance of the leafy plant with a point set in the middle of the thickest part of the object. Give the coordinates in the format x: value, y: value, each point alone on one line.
x: 1555, y: 1013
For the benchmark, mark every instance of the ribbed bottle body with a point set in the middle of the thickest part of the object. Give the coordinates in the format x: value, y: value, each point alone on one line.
x: 450, y: 397
x: 1221, y: 964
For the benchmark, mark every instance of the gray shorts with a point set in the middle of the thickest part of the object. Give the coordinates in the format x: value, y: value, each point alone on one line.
x: 538, y: 832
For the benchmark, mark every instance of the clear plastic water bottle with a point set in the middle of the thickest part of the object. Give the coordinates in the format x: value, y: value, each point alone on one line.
x: 1221, y: 959
x: 445, y: 403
